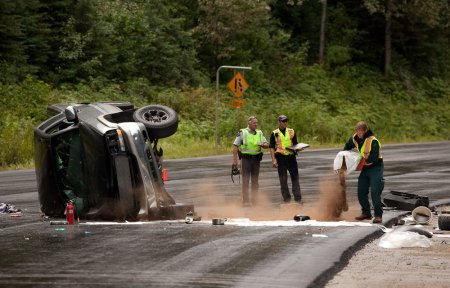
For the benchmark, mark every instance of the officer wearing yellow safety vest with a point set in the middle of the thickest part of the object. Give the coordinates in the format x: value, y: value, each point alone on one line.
x: 285, y: 159
x: 372, y: 170
x: 247, y: 146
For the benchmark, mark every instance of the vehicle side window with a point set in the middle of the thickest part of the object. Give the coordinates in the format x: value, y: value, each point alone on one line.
x: 69, y: 167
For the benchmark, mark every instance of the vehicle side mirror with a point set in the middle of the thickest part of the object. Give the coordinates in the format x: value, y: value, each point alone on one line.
x: 71, y: 114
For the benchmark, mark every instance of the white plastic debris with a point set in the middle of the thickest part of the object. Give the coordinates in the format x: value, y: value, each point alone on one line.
x: 320, y: 235
x: 399, y: 239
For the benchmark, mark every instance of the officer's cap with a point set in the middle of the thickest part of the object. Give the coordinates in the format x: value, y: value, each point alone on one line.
x: 282, y: 118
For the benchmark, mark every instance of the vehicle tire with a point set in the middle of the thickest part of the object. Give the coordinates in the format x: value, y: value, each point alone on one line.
x: 160, y: 121
x: 444, y: 222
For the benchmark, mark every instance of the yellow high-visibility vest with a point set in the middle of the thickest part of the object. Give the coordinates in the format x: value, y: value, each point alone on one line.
x: 284, y: 141
x: 365, y: 150
x: 251, y: 142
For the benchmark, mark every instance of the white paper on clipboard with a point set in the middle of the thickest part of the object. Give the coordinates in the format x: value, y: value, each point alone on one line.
x: 298, y: 146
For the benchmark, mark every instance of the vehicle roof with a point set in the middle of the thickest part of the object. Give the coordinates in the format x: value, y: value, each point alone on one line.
x: 91, y: 114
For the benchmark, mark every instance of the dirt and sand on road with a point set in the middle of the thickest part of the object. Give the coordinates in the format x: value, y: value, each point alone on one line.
x: 374, y: 266
x: 331, y: 205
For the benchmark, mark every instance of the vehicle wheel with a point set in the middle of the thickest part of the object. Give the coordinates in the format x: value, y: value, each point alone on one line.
x: 444, y: 222
x: 160, y: 121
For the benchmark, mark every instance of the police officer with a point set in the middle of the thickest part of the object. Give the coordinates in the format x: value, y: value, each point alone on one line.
x: 247, y: 146
x: 284, y: 159
x: 372, y: 170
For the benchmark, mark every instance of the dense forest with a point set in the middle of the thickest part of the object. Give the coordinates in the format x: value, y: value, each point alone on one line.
x: 327, y: 64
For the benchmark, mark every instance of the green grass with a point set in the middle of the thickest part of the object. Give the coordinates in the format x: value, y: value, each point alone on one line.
x: 323, y: 108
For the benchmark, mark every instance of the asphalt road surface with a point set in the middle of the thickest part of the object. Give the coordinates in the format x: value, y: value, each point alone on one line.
x: 258, y: 246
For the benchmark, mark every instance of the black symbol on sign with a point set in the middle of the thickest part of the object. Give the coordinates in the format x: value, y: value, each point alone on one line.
x: 238, y: 85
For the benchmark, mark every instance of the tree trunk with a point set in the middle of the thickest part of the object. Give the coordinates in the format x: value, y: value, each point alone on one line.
x: 322, y: 31
x: 387, y: 37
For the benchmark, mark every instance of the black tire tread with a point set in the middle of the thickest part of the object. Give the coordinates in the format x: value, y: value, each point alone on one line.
x: 158, y: 130
x: 444, y: 222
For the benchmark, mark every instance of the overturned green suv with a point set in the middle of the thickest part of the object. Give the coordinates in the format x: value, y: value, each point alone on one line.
x: 103, y: 157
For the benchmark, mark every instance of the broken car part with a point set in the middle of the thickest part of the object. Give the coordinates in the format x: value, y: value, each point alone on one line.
x: 444, y: 222
x: 405, y: 201
x: 189, y: 217
x: 422, y: 215
x: 218, y: 221
x: 301, y: 217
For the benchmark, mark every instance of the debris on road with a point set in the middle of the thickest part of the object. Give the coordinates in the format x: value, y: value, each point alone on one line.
x: 218, y: 221
x: 405, y: 201
x: 410, y: 234
x: 422, y: 215
x: 400, y: 239
x: 8, y: 208
x: 301, y: 217
x: 444, y: 221
x: 189, y: 217
x: 59, y: 223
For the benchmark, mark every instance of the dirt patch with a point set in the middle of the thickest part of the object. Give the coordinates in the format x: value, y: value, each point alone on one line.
x: 333, y: 201
x: 331, y: 206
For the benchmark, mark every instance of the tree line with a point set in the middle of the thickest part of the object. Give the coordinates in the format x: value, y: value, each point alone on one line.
x: 326, y: 64
x: 183, y: 42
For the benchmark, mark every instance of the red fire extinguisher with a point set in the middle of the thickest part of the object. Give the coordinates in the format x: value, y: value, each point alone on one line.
x: 70, y: 212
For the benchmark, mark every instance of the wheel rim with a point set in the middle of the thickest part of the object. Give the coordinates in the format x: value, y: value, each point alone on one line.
x: 155, y: 116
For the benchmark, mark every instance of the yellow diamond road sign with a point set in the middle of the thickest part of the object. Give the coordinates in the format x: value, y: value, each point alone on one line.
x: 237, y: 85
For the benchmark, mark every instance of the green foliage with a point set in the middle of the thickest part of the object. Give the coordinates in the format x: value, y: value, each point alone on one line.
x: 140, y: 39
x: 16, y: 140
x: 322, y: 107
x: 167, y: 52
x: 26, y: 99
x: 11, y: 73
x: 11, y: 47
x: 239, y: 32
x: 23, y: 32
x: 182, y: 43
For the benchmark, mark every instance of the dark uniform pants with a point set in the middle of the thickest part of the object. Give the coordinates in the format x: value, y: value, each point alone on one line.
x: 288, y: 163
x: 371, y: 178
x: 250, y: 170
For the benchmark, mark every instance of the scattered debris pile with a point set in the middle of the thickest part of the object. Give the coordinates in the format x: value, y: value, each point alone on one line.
x: 8, y: 208
x: 417, y: 229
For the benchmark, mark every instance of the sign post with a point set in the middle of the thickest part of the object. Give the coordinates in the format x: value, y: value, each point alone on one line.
x: 237, y: 87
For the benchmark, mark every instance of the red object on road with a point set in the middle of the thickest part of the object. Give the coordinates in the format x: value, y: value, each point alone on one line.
x: 70, y: 213
x: 164, y: 175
